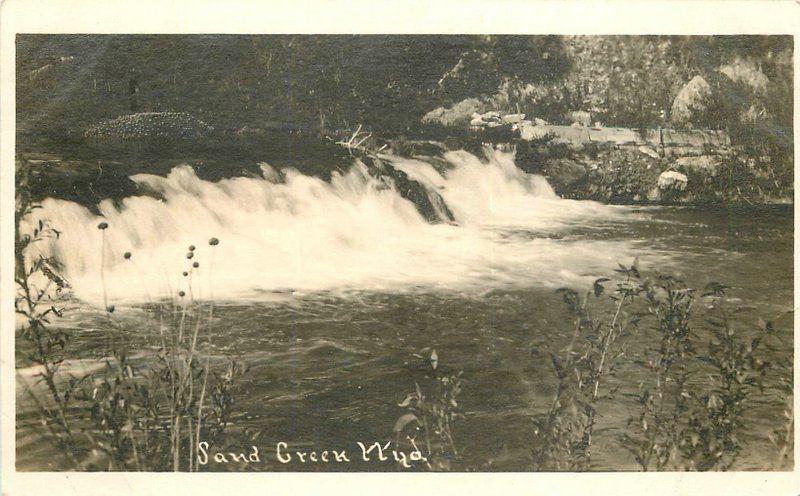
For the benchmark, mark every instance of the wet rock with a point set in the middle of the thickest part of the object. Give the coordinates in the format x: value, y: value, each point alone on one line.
x: 565, y: 174
x: 428, y: 203
x: 83, y: 182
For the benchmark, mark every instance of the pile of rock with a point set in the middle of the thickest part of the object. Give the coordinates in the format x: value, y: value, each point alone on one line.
x: 516, y: 124
x: 151, y: 125
x: 493, y: 118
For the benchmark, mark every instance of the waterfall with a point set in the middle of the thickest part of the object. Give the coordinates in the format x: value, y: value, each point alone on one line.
x: 285, y: 232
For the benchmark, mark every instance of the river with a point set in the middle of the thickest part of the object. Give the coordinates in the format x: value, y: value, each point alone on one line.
x: 328, y: 289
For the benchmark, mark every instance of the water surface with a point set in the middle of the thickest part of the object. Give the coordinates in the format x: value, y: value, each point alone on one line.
x: 327, y: 290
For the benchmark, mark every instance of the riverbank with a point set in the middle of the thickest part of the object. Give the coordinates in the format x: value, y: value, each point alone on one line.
x: 88, y: 171
x: 639, y: 175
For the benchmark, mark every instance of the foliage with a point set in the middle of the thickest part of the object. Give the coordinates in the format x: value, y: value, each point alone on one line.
x: 387, y: 83
x: 153, y: 416
x: 563, y: 435
x: 130, y: 414
x: 711, y: 438
x: 430, y: 410
x: 37, y: 304
x: 684, y: 421
x: 655, y: 430
x: 620, y: 176
x: 689, y: 410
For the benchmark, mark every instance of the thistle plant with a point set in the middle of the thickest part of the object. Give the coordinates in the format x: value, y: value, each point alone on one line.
x: 136, y: 413
x: 153, y: 417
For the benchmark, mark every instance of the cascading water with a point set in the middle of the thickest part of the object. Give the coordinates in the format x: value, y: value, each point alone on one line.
x: 287, y: 232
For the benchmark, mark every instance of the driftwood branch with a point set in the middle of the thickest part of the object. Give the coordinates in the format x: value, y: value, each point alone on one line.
x: 357, y: 140
x: 356, y: 143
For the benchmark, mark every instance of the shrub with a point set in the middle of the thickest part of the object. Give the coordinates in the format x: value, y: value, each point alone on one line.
x: 689, y: 410
x: 563, y: 434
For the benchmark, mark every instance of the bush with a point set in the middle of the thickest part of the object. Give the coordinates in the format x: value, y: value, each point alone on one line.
x: 689, y: 410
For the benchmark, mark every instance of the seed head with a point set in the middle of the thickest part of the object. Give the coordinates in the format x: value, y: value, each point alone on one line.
x: 181, y: 294
x: 191, y: 247
x: 190, y: 254
x: 213, y: 241
x: 185, y: 273
x: 126, y: 255
x: 102, y: 226
x: 196, y: 265
x: 110, y: 308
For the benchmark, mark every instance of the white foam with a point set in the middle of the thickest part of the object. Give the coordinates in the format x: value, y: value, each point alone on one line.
x: 304, y: 234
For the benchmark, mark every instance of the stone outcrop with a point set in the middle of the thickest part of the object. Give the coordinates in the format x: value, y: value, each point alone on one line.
x: 428, y: 203
x: 459, y: 114
x: 691, y: 101
x: 746, y: 72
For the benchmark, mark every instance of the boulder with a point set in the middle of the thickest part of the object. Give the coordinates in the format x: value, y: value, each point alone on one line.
x: 151, y: 125
x: 703, y: 165
x: 513, y: 118
x: 747, y: 72
x: 456, y: 115
x: 580, y: 117
x: 691, y: 101
x: 491, y: 116
x: 565, y: 174
x: 429, y: 203
x: 647, y: 150
x: 672, y: 181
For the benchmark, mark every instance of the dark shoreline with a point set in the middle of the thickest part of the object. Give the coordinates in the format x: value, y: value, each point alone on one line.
x: 89, y: 171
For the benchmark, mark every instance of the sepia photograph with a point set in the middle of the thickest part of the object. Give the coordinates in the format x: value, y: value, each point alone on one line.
x: 403, y: 253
